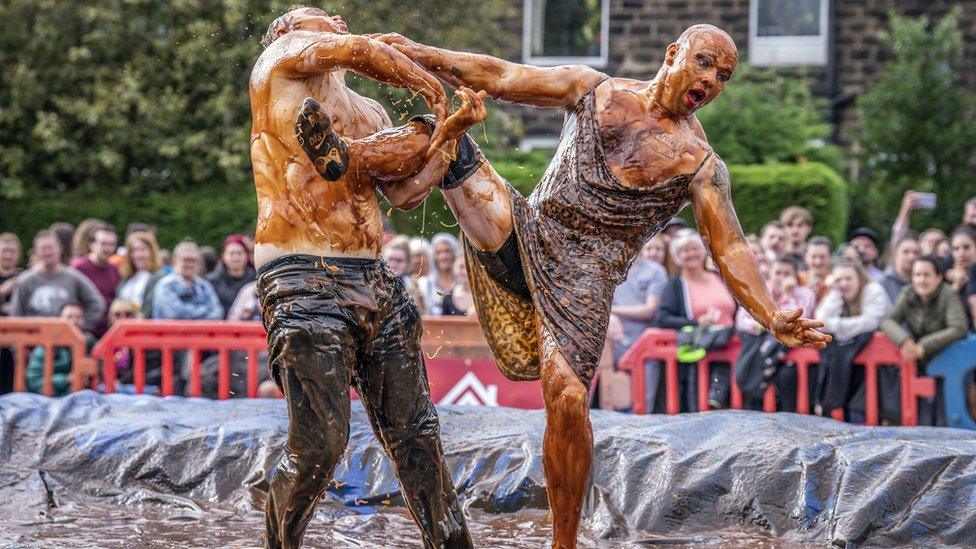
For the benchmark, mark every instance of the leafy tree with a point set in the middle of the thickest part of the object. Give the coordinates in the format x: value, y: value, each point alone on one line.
x: 132, y: 96
x: 767, y: 116
x: 919, y: 124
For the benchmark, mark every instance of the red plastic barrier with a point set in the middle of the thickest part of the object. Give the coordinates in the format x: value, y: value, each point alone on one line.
x: 459, y: 364
x: 23, y: 334
x: 662, y: 345
x: 195, y: 337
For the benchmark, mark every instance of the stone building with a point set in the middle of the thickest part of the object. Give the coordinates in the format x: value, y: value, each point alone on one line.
x: 833, y: 42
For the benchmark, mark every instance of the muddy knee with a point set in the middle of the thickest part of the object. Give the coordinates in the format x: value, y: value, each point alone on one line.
x: 405, y: 436
x: 565, y: 394
x: 312, y: 463
x: 568, y: 406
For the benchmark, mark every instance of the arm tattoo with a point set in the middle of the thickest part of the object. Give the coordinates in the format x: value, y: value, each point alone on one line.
x: 720, y: 176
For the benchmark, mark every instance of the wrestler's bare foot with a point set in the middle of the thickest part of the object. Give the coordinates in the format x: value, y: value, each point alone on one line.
x: 321, y: 143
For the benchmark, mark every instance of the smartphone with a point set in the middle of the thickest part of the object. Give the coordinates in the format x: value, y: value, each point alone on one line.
x: 925, y: 201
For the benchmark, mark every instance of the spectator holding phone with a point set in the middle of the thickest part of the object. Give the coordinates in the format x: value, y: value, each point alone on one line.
x: 910, y: 201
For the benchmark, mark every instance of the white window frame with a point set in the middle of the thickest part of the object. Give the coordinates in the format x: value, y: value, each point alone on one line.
x: 547, y: 61
x: 780, y: 51
x: 533, y: 142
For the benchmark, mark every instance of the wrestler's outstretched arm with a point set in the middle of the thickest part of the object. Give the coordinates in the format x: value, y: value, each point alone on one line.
x: 722, y: 233
x: 526, y: 84
x: 304, y: 53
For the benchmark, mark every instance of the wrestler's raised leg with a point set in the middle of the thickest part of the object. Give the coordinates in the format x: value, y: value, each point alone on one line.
x: 390, y: 154
x: 567, y: 447
x: 406, y: 161
x: 313, y: 368
x: 480, y: 202
x: 483, y: 207
x: 392, y: 384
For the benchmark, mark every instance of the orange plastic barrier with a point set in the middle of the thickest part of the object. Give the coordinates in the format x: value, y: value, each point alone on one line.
x: 23, y: 334
x: 443, y: 338
x: 168, y: 336
x: 661, y: 345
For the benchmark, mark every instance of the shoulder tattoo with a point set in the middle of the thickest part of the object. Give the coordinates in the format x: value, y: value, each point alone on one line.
x: 720, y: 175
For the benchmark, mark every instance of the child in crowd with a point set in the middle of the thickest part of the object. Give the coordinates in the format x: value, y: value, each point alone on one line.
x: 73, y: 312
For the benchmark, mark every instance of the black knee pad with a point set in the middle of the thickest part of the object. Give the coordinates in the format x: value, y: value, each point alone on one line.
x: 505, y: 266
x: 467, y: 161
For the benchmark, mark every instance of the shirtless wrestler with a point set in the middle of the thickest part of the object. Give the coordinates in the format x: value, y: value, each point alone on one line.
x: 335, y: 314
x: 631, y: 155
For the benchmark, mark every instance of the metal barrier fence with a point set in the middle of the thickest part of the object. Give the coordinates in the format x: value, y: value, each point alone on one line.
x: 661, y: 345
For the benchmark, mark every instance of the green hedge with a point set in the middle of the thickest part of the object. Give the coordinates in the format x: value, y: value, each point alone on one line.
x: 760, y: 192
x: 209, y: 214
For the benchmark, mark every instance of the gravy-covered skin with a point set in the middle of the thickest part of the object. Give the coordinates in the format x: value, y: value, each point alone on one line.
x: 298, y: 211
x: 337, y: 316
x: 631, y: 154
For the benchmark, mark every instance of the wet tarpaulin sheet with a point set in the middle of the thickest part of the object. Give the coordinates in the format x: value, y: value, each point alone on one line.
x: 782, y: 477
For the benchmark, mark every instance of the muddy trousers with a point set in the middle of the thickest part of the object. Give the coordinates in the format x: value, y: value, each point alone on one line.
x: 334, y: 323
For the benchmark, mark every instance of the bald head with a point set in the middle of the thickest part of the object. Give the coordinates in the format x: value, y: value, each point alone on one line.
x: 304, y: 18
x: 696, y: 67
x: 708, y: 33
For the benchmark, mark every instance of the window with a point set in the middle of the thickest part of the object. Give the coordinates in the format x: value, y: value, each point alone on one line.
x: 788, y: 32
x: 560, y: 32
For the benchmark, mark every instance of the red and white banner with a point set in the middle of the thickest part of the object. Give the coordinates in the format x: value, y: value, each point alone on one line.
x: 477, y: 382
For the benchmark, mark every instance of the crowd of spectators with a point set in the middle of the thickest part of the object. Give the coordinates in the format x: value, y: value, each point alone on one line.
x: 83, y: 275
x: 920, y: 290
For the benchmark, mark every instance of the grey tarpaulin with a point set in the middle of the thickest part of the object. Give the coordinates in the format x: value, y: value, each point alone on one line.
x: 688, y: 477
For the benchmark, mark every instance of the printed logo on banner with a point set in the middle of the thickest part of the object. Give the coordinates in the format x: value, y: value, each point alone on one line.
x: 469, y: 391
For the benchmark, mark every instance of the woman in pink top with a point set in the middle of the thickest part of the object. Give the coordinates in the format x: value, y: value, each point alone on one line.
x: 697, y: 297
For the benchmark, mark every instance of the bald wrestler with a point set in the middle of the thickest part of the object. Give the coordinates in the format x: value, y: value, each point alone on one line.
x: 543, y: 270
x: 336, y: 314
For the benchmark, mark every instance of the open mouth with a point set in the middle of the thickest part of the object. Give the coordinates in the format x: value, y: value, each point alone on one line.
x: 695, y: 97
